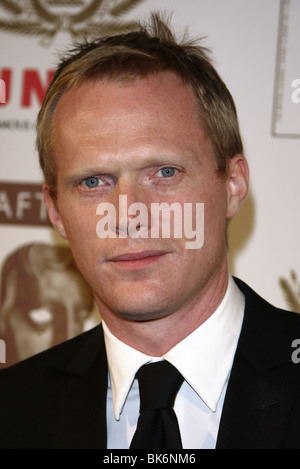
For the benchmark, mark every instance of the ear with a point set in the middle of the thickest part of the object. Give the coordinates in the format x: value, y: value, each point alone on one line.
x: 237, y: 184
x: 53, y: 212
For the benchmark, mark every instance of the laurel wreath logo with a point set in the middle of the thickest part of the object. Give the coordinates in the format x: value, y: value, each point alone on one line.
x: 291, y: 291
x: 45, y: 18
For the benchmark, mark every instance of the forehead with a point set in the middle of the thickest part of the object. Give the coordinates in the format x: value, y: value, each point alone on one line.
x: 124, y: 96
x: 159, y: 108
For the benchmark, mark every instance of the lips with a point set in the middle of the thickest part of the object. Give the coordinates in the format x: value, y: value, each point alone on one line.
x: 137, y: 256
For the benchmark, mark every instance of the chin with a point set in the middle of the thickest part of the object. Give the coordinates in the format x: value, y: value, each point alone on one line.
x: 139, y: 311
x: 141, y: 316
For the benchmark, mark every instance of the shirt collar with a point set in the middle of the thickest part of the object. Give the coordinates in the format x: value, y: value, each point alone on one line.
x: 204, y: 358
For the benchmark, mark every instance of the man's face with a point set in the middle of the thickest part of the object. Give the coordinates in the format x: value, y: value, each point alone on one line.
x: 142, y: 139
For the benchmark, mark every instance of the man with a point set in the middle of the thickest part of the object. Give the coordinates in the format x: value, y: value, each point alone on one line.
x: 141, y: 116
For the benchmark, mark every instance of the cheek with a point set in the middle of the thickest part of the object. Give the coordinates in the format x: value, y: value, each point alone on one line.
x: 215, y: 216
x: 79, y: 221
x: 215, y: 244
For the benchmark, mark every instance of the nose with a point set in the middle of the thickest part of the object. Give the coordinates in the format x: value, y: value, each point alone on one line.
x: 132, y: 207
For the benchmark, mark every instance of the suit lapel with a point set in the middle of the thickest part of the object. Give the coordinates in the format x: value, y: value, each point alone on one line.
x: 77, y: 396
x: 263, y: 382
x: 256, y: 408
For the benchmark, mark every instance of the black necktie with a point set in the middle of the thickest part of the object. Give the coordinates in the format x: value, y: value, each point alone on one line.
x: 157, y: 426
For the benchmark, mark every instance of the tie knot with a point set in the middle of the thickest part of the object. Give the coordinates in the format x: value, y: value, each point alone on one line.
x: 159, y: 383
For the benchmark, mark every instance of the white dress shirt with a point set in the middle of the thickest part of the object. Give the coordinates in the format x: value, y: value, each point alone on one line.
x: 204, y: 358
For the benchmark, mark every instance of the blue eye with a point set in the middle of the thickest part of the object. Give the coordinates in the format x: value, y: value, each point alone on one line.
x: 167, y: 172
x: 92, y: 182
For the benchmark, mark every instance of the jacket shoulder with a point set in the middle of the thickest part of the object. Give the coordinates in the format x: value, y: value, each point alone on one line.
x: 24, y: 388
x: 33, y: 368
x: 268, y: 333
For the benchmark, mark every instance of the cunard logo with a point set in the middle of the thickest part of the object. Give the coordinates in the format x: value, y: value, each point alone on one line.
x: 45, y: 18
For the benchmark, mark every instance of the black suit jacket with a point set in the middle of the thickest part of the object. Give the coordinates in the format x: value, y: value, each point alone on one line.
x: 57, y: 399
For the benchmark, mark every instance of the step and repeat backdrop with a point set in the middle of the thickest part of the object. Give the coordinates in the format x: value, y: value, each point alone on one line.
x: 256, y: 49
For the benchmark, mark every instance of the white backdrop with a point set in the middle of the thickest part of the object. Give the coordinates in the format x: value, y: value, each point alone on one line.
x: 255, y: 46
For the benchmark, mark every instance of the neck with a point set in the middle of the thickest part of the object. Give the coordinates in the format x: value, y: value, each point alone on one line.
x: 157, y: 336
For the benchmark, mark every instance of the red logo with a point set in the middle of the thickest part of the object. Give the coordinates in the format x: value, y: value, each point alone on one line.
x: 33, y: 86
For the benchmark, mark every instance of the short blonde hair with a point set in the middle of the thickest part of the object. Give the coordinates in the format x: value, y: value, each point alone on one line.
x: 148, y: 49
